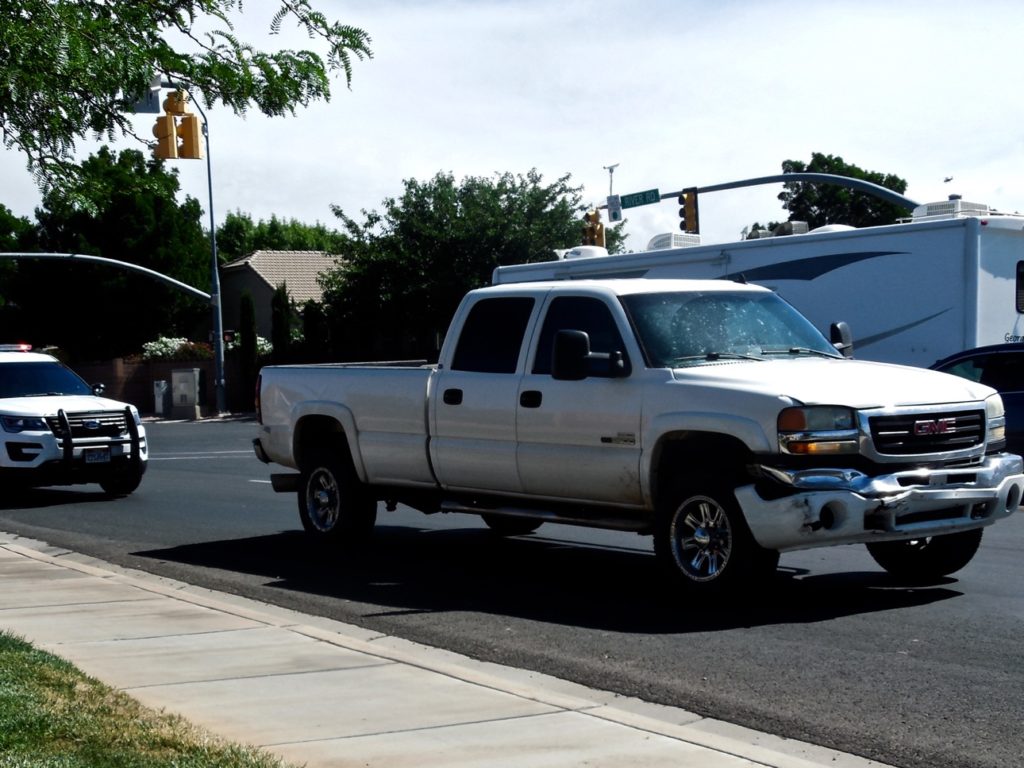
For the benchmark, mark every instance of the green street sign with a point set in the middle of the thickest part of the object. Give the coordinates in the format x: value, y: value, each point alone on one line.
x: 641, y: 198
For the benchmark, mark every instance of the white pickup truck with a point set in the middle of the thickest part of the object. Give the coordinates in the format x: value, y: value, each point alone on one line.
x: 709, y: 414
x: 57, y: 430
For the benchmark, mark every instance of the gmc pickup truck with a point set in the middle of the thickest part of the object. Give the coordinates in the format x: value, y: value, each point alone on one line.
x: 57, y: 430
x: 708, y: 414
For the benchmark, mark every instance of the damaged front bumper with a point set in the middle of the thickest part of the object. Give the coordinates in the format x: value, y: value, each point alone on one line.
x: 841, y: 506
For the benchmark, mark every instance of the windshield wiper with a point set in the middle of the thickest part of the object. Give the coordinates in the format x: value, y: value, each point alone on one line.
x: 712, y: 356
x: 798, y: 351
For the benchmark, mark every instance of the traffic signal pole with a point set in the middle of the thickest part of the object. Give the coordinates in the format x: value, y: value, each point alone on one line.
x: 687, y: 197
x: 215, y: 306
x: 167, y: 132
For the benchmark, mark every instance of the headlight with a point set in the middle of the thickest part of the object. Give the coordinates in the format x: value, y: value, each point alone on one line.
x: 818, y: 429
x: 995, y: 417
x: 23, y: 424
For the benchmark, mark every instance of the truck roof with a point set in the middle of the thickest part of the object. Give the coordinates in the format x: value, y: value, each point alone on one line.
x: 624, y: 287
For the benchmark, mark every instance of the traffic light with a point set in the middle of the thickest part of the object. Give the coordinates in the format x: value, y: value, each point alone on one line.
x: 190, y: 145
x: 169, y: 130
x: 176, y: 103
x: 166, y: 138
x: 689, y: 212
x: 593, y: 229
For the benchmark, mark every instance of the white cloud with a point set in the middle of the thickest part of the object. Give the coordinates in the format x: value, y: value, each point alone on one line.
x: 678, y: 93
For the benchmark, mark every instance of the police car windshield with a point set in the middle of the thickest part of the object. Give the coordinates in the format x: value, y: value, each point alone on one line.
x: 33, y: 379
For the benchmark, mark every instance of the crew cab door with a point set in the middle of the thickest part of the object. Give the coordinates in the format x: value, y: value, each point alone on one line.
x: 580, y: 439
x: 473, y: 446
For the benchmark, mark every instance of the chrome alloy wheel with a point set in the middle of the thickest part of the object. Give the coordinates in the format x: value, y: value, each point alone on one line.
x: 701, y: 538
x: 322, y: 500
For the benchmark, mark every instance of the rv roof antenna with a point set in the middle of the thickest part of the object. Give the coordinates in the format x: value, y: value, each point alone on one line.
x: 611, y: 171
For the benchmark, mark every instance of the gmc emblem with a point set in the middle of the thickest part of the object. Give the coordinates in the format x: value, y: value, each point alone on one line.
x: 934, y: 427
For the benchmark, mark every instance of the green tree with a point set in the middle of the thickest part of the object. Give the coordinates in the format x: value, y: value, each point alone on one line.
x: 247, y: 343
x: 314, y: 332
x: 132, y: 215
x: 820, y: 204
x: 281, y: 323
x: 406, y: 269
x: 16, y: 234
x: 71, y: 69
x: 238, y: 236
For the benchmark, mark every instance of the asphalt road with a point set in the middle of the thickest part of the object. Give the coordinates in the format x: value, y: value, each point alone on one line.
x: 832, y: 652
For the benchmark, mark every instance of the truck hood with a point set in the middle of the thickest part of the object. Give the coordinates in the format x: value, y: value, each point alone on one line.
x: 44, y: 406
x: 821, y: 381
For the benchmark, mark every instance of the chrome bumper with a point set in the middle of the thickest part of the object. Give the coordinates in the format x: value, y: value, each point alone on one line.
x: 841, y: 506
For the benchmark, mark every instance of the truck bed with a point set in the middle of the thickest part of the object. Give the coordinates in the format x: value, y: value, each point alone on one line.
x: 383, y: 408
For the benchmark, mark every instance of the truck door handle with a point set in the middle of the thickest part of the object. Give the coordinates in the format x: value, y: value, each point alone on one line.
x: 452, y: 397
x: 531, y: 398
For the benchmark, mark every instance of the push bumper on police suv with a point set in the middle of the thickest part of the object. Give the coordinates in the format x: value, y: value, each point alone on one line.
x: 842, y: 506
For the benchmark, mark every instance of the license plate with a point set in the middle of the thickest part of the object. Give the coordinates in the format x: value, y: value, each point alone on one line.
x: 96, y: 455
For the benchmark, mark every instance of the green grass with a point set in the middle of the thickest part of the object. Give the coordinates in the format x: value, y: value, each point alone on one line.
x: 54, y: 716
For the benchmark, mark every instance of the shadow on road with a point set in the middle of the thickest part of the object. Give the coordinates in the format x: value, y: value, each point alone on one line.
x: 408, y: 570
x: 16, y: 498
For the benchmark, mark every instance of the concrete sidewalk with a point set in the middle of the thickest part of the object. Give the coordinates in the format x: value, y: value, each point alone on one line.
x: 324, y: 693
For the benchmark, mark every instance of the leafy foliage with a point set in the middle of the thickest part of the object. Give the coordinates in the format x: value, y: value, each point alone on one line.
x: 280, y: 323
x: 16, y: 234
x: 315, y: 334
x: 176, y: 349
x: 98, y: 311
x: 71, y: 69
x: 238, y: 236
x: 406, y: 269
x: 248, y: 341
x: 820, y: 204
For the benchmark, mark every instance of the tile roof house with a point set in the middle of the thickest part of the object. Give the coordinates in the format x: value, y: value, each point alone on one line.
x: 261, y: 272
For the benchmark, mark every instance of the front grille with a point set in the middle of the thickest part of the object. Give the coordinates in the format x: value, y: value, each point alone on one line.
x: 918, y: 433
x: 91, y: 424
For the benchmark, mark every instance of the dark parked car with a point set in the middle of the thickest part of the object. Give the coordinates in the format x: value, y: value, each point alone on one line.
x: 1000, y: 366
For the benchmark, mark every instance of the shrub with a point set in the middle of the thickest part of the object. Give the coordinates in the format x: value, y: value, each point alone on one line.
x: 263, y: 346
x: 176, y: 349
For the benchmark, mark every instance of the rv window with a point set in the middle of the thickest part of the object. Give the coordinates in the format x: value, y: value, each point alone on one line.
x: 1020, y: 287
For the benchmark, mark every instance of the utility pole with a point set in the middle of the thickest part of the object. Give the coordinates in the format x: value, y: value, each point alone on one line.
x: 611, y: 173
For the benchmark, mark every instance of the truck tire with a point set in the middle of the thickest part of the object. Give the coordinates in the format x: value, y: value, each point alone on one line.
x: 511, y: 526
x: 122, y: 482
x: 927, y: 558
x: 704, y: 544
x: 333, y: 504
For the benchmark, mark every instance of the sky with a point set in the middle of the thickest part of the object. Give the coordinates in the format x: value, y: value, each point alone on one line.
x: 675, y: 93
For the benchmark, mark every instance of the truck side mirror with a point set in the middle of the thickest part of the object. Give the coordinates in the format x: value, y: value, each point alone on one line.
x: 569, y: 356
x: 98, y: 389
x: 841, y: 338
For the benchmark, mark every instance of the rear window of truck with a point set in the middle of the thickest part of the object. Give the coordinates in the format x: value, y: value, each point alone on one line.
x: 493, y: 335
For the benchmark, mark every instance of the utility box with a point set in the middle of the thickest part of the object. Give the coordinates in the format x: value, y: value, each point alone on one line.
x: 162, y: 397
x: 185, y: 391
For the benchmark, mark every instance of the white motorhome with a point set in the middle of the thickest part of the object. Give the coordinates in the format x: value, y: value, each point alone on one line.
x: 948, y: 279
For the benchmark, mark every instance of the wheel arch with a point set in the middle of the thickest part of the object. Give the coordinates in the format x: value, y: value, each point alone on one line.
x: 317, y: 433
x: 681, y: 453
